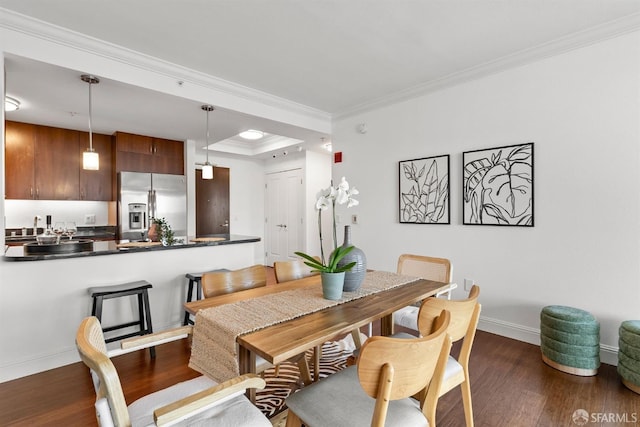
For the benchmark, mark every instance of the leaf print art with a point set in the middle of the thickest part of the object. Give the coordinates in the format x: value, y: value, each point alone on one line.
x: 498, y: 186
x: 424, y: 190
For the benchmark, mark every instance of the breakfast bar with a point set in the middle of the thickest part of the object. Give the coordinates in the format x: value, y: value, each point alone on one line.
x: 99, y: 248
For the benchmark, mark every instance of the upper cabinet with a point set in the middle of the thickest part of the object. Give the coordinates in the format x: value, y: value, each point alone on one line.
x: 20, y: 144
x: 138, y: 153
x: 45, y: 163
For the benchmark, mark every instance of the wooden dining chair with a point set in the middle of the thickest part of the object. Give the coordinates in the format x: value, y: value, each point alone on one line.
x: 217, y: 283
x: 198, y: 400
x: 390, y: 371
x: 286, y: 271
x: 225, y: 282
x: 425, y: 267
x: 464, y: 322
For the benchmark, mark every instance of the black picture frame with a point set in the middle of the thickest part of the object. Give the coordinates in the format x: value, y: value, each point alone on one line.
x: 424, y: 190
x: 498, y: 186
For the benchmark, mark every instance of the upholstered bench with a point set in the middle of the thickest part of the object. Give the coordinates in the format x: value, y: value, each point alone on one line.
x: 629, y: 354
x: 570, y: 340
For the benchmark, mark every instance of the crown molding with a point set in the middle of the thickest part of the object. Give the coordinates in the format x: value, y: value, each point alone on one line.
x: 558, y: 46
x: 33, y: 27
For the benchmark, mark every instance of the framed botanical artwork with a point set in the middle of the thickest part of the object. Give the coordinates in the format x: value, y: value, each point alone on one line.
x: 424, y: 190
x: 498, y: 186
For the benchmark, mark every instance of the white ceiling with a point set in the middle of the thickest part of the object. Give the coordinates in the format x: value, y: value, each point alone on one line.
x: 336, y: 56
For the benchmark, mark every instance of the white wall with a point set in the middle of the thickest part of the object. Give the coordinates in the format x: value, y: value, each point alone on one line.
x: 581, y: 109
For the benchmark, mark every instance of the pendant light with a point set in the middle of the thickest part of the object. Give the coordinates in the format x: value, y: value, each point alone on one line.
x: 90, y: 159
x: 207, y: 168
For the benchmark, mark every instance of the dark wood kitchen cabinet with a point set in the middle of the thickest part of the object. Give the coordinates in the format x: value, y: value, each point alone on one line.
x: 20, y: 143
x: 139, y: 153
x: 46, y: 163
x: 56, y: 164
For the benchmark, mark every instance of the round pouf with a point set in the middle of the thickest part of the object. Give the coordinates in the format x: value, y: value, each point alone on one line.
x: 570, y: 340
x: 629, y: 354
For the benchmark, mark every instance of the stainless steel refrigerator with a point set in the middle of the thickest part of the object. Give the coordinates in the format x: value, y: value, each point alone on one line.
x: 142, y: 196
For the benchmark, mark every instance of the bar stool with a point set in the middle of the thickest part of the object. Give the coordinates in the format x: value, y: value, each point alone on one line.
x: 194, y: 281
x: 139, y: 288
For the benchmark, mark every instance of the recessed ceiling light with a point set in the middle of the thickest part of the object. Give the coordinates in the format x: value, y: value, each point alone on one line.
x: 251, y: 134
x: 328, y: 147
x: 11, y: 104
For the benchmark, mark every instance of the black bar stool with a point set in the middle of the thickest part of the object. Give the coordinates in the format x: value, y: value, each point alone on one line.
x: 194, y: 281
x: 139, y: 288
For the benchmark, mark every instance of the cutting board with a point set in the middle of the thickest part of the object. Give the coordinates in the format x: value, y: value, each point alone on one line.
x: 207, y: 239
x: 137, y: 244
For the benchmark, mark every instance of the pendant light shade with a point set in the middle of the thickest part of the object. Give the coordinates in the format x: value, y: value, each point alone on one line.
x: 90, y: 161
x: 207, y: 168
x: 90, y: 158
x: 207, y: 171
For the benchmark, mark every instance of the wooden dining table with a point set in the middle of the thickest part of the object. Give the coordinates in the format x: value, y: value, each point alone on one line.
x: 281, y: 341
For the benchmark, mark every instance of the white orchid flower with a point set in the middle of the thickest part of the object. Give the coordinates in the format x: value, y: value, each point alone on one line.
x: 322, y: 203
x: 352, y: 203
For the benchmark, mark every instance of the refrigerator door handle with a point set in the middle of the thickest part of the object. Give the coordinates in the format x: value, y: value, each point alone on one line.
x: 155, y: 206
x: 150, y: 205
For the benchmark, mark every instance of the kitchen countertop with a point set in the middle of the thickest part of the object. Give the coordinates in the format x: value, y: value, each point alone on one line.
x: 16, y: 253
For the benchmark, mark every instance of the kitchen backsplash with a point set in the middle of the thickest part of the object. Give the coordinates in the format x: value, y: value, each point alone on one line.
x: 21, y: 213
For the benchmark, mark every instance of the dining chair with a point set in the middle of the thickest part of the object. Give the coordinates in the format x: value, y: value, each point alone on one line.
x: 294, y: 269
x: 464, y: 322
x: 199, y: 400
x: 377, y: 391
x: 225, y: 282
x: 425, y: 267
x: 217, y: 283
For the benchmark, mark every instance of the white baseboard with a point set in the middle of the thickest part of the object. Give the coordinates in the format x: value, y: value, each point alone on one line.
x: 45, y: 361
x: 608, y: 354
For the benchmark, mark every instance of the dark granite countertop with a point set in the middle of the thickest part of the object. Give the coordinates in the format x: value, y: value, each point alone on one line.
x: 16, y: 253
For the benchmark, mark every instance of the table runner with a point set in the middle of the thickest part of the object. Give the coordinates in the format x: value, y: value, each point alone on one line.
x: 214, y: 349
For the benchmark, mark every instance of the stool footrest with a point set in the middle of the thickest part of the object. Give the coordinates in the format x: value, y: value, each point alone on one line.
x: 123, y: 325
x: 122, y: 337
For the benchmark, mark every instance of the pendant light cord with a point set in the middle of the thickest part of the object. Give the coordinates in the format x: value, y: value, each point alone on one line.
x: 90, y: 129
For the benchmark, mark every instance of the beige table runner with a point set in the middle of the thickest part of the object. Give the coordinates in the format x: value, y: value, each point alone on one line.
x: 214, y: 350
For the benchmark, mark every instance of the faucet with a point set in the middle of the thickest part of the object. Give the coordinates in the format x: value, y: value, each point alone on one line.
x: 35, y: 224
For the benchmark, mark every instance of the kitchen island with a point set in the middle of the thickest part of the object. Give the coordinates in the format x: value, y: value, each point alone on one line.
x: 46, y: 297
x: 111, y: 247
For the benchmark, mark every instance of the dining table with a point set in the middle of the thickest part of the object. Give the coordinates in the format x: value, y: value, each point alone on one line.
x: 280, y: 321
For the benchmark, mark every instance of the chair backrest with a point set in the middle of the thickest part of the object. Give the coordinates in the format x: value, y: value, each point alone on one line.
x: 396, y: 368
x: 464, y: 314
x: 431, y: 268
x: 226, y: 282
x: 93, y: 352
x: 291, y: 270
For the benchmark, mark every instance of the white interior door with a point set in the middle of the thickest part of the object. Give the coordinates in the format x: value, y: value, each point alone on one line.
x: 284, y: 199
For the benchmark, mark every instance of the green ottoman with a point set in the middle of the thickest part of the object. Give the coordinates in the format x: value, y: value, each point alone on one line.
x: 570, y: 340
x: 629, y: 354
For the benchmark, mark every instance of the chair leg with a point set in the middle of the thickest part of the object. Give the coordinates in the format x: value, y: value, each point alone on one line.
x: 465, y: 388
x: 293, y: 420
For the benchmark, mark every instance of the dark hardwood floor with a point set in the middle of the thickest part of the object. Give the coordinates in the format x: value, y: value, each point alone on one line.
x: 510, y: 387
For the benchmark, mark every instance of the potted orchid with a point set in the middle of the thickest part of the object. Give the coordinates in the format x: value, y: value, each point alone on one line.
x: 329, y: 268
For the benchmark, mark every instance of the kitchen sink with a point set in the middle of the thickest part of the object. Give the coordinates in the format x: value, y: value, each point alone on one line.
x: 64, y: 247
